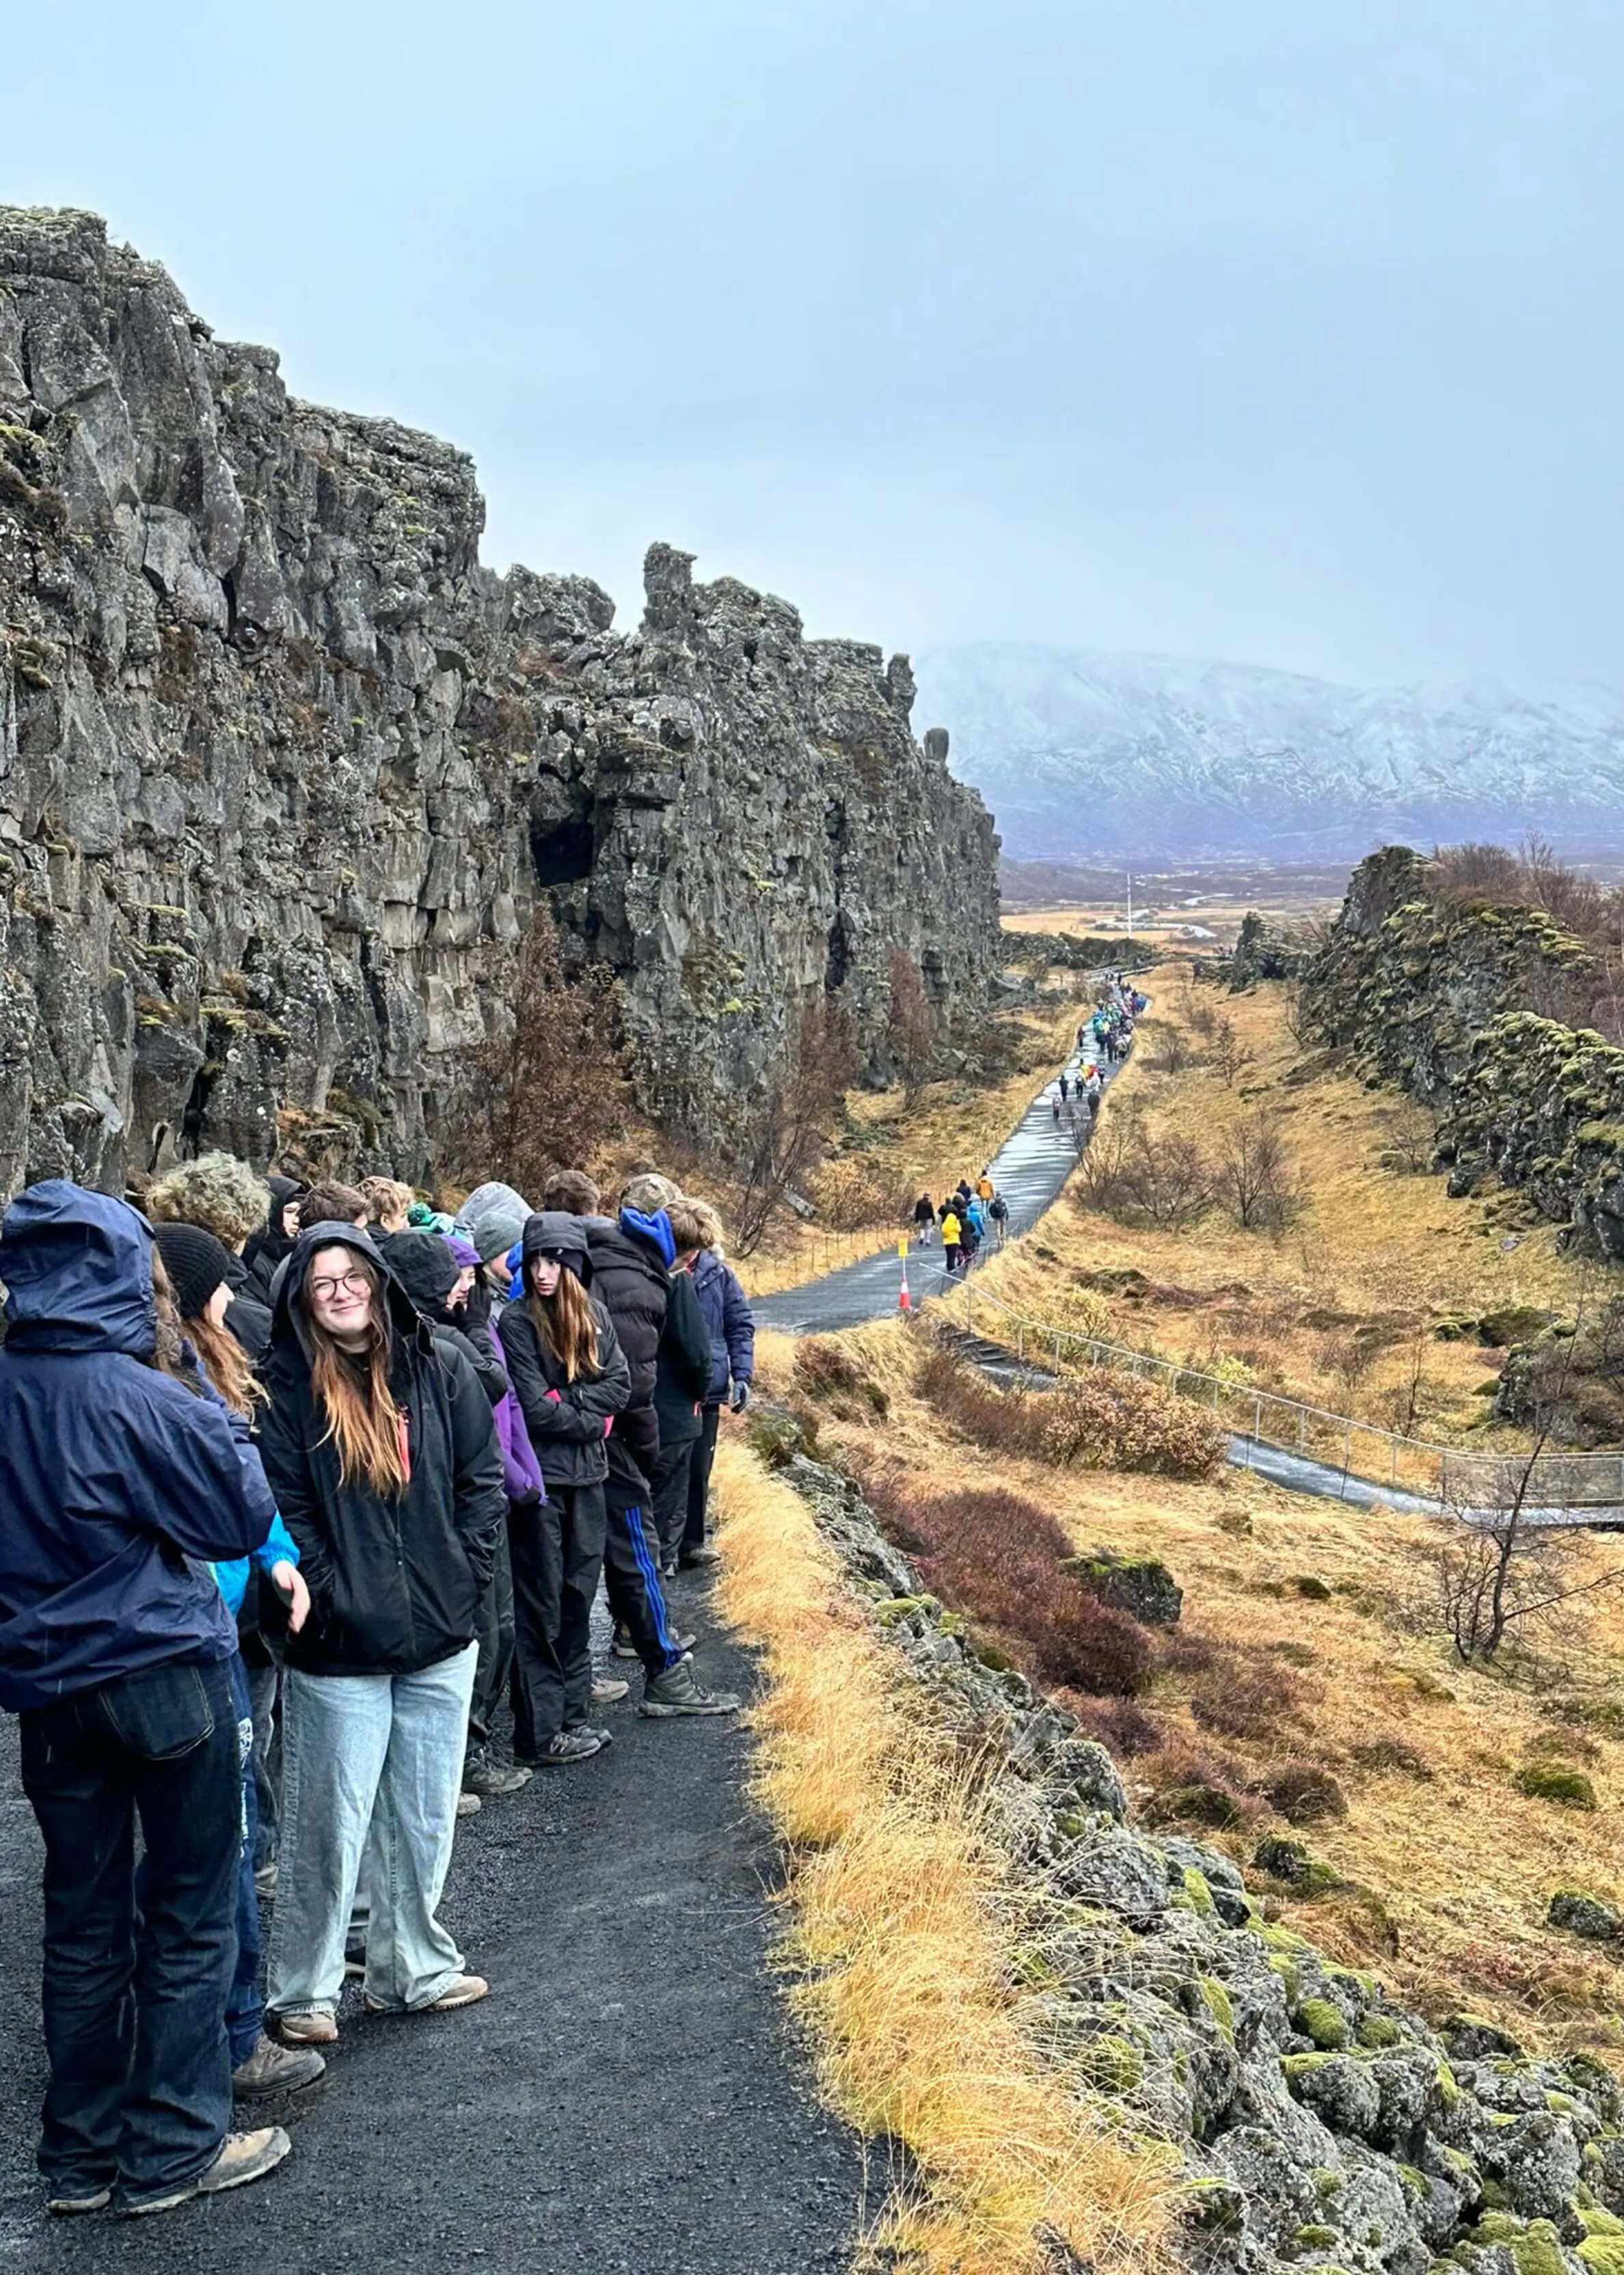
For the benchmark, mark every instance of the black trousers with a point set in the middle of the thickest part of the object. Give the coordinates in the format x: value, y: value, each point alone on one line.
x: 134, y: 2005
x: 557, y: 1554
x: 699, y: 1483
x: 671, y: 1497
x: 631, y: 1573
x: 495, y: 1668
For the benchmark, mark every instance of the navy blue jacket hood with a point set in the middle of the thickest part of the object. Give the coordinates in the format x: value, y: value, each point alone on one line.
x: 77, y: 1268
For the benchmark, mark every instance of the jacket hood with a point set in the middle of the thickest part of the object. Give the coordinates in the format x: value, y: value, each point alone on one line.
x: 655, y: 1228
x: 77, y: 1267
x: 290, y: 1323
x: 549, y: 1232
x: 424, y: 1266
x: 495, y: 1217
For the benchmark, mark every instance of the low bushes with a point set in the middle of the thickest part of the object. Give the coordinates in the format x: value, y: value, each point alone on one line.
x: 1099, y: 1421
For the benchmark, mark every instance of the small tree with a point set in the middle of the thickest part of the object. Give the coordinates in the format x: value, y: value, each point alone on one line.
x: 784, y: 1137
x: 1256, y: 1176
x: 547, y: 1091
x: 911, y: 1027
x: 1230, y: 1055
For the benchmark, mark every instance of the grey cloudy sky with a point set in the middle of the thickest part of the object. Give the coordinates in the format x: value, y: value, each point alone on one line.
x: 1286, y: 330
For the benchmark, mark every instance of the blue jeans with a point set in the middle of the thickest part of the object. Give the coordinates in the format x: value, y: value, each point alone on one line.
x: 378, y: 1755
x: 244, y: 2009
x: 140, y: 2073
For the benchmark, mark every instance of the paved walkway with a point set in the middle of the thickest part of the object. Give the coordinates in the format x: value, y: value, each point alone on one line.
x: 628, y: 2101
x: 1030, y: 1170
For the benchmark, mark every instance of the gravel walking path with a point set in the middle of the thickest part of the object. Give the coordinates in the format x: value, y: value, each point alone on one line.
x: 631, y: 2099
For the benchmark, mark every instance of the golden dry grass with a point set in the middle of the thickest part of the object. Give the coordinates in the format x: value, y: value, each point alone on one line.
x: 1463, y: 1862
x: 1373, y: 1245
x: 903, y: 1965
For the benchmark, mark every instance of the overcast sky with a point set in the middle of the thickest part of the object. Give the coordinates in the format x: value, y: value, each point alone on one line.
x: 1285, y: 330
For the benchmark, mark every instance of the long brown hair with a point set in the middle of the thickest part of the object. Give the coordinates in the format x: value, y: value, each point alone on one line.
x: 565, y: 1322
x: 352, y: 1389
x: 225, y: 1363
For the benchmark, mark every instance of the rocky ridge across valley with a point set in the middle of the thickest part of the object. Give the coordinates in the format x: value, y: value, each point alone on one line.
x: 1321, y: 2125
x: 284, y: 769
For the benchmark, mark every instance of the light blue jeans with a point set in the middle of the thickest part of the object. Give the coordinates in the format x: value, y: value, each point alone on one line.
x: 371, y: 1765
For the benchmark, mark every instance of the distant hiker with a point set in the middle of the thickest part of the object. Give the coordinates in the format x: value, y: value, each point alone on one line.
x: 985, y: 1187
x: 1054, y: 1109
x: 998, y: 1212
x: 923, y: 1219
x: 952, y: 1242
x: 1065, y: 1087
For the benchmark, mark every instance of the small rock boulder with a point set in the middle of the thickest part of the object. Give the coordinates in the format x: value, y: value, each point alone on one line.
x: 1141, y: 1586
x: 1585, y: 1915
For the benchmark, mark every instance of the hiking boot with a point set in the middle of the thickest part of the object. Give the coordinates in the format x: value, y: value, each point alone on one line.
x: 467, y: 1805
x: 622, y: 1645
x: 242, y: 2157
x: 699, y: 1559
x: 355, y: 1955
x: 307, y: 2026
x: 675, y: 1692
x: 578, y: 1745
x: 73, y: 2207
x: 667, y: 1570
x: 494, y: 1779
x: 271, y: 2068
x: 609, y: 1690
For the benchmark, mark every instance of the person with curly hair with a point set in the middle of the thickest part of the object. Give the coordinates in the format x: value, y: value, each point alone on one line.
x: 222, y: 1195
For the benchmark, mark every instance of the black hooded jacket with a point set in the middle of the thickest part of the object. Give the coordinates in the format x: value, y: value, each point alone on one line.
x: 566, y: 1429
x: 426, y: 1269
x: 629, y: 1280
x: 263, y: 1251
x: 394, y: 1586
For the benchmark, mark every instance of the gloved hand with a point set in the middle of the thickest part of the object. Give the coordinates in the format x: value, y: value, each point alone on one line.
x: 740, y: 1399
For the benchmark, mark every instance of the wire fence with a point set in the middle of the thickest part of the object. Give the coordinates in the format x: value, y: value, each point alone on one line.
x: 1444, y: 1475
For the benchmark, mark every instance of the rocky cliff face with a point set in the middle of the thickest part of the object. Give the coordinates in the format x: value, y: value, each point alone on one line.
x: 1471, y: 1009
x: 284, y: 770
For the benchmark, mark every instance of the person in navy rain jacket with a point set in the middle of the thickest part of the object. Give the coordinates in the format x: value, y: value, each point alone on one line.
x: 117, y: 1489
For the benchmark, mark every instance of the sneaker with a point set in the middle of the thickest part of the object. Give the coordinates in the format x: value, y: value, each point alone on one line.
x: 73, y: 2207
x: 467, y: 1990
x: 265, y: 1884
x: 355, y: 1956
x: 699, y: 1559
x: 622, y: 1645
x: 571, y: 1746
x: 307, y: 2026
x: 667, y: 1570
x: 609, y: 1690
x: 467, y: 1805
x: 675, y: 1692
x: 242, y: 2157
x: 271, y: 2068
x: 494, y: 1779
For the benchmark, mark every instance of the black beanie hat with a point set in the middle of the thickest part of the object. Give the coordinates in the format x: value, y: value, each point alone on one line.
x: 196, y: 1263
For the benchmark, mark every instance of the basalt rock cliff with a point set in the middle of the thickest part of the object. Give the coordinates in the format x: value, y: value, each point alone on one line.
x: 284, y: 770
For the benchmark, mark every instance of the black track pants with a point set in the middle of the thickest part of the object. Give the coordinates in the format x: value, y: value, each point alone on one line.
x: 558, y: 1552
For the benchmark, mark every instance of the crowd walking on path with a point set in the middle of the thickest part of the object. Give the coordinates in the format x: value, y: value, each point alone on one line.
x: 974, y: 1217
x: 298, y: 1483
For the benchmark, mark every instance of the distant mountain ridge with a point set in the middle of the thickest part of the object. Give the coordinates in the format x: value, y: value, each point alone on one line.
x: 1084, y: 754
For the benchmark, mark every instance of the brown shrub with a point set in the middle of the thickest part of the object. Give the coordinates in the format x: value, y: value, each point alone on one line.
x: 1118, y: 1723
x: 1231, y: 1693
x: 1392, y: 1754
x: 1100, y: 1420
x: 823, y: 1370
x: 1196, y: 1788
x: 1304, y: 1792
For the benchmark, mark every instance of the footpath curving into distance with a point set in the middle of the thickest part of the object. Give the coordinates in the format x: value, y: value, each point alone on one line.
x: 1030, y: 1169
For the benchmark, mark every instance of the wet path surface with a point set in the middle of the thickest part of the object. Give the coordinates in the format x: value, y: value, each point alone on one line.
x: 1030, y: 1170
x: 629, y: 2100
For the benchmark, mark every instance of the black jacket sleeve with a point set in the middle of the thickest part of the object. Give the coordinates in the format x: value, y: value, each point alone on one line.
x: 688, y: 1338
x: 486, y: 1366
x: 479, y: 1500
x: 287, y: 1470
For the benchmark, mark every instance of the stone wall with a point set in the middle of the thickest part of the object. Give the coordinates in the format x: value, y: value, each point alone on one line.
x: 284, y: 770
x: 1462, y: 1003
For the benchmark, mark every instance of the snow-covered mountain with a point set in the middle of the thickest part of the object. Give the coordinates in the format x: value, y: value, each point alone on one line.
x: 1082, y: 754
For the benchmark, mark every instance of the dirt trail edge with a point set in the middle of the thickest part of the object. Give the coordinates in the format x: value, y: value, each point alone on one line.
x: 631, y: 2099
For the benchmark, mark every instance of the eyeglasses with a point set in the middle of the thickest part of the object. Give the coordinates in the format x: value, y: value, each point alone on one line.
x: 352, y: 1283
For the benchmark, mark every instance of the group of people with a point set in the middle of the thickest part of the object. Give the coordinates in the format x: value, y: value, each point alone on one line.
x: 968, y: 1216
x: 296, y: 1482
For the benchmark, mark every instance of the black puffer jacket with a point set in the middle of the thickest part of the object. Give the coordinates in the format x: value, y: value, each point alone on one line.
x: 629, y: 1280
x: 394, y: 1586
x: 565, y: 1430
x: 682, y: 1377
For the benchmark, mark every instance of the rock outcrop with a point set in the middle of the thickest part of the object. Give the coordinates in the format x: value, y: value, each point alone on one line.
x: 1320, y: 2123
x: 284, y: 770
x: 1478, y: 1010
